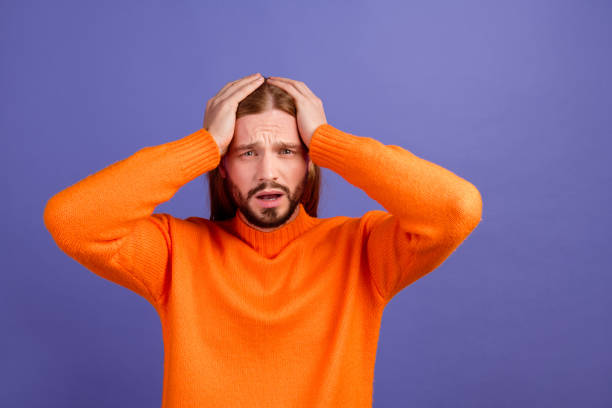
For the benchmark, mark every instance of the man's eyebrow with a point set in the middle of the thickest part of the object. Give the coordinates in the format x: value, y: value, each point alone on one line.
x: 277, y: 144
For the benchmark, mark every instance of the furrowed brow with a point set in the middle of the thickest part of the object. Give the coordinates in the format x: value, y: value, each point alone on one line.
x: 277, y: 144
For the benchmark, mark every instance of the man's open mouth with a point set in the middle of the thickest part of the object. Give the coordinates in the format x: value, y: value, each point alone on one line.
x: 269, y: 197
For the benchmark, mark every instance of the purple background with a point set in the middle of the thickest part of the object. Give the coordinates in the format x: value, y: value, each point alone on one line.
x: 513, y: 96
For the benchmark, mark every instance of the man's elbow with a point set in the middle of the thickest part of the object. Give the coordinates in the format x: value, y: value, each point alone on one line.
x: 468, y: 213
x: 55, y: 219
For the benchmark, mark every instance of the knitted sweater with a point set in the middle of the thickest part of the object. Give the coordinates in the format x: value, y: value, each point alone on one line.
x: 287, y: 318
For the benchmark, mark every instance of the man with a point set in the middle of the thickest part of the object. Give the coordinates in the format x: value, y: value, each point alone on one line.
x: 264, y: 304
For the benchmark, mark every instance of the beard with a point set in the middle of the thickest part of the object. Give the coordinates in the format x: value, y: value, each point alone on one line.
x: 271, y: 217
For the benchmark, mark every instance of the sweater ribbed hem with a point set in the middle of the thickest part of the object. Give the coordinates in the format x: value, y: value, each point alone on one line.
x: 197, y: 153
x: 330, y: 147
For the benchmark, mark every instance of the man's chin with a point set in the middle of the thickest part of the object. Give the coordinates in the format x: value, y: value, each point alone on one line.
x: 268, y: 217
x: 267, y: 212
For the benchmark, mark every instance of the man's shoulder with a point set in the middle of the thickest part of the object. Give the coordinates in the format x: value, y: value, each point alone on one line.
x: 188, y: 223
x: 366, y: 216
x: 366, y: 220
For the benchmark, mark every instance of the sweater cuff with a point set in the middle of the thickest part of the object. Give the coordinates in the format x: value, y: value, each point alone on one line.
x: 197, y: 153
x: 332, y: 148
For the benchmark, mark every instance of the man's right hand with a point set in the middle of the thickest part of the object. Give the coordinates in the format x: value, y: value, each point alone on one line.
x: 220, y: 115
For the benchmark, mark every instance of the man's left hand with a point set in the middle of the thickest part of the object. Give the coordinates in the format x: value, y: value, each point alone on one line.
x: 310, y: 113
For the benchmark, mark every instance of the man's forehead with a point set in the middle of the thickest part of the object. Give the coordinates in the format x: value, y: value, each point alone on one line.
x: 271, y: 127
x: 280, y: 142
x: 262, y: 135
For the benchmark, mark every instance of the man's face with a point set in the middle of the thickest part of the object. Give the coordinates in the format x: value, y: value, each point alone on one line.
x: 266, y: 153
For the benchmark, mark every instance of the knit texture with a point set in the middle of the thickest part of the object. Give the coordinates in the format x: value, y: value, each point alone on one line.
x: 288, y: 318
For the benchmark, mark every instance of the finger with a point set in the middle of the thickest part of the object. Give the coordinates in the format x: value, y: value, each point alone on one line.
x: 222, y: 93
x: 239, y: 81
x: 288, y: 85
x: 235, y: 95
x: 227, y: 86
x: 300, y: 86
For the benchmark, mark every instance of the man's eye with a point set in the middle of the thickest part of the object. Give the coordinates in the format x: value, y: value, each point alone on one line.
x: 283, y: 151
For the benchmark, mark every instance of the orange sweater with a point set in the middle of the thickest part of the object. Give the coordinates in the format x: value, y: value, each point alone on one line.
x: 288, y: 318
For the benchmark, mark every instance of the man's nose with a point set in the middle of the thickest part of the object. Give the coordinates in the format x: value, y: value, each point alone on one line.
x: 268, y: 168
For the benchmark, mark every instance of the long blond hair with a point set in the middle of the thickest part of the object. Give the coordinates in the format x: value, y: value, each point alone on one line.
x: 264, y: 98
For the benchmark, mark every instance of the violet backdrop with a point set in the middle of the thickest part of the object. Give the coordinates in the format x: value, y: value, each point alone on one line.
x: 514, y: 96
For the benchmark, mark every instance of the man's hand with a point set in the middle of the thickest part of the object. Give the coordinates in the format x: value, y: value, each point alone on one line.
x: 310, y: 113
x: 220, y: 115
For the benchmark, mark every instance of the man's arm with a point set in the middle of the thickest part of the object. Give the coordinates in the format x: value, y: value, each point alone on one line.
x: 106, y: 222
x: 430, y: 209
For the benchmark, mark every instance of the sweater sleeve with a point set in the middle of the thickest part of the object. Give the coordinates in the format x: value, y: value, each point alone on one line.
x: 106, y: 222
x: 431, y: 210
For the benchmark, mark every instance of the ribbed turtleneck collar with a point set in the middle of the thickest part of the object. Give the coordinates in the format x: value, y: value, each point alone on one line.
x: 269, y: 244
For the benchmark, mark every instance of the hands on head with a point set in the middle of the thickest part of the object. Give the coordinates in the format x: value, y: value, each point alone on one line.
x: 220, y: 115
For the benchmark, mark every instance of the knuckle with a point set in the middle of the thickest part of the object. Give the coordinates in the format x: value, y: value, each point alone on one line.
x: 224, y: 104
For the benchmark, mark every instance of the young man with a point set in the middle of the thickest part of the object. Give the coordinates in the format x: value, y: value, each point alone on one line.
x: 266, y: 305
